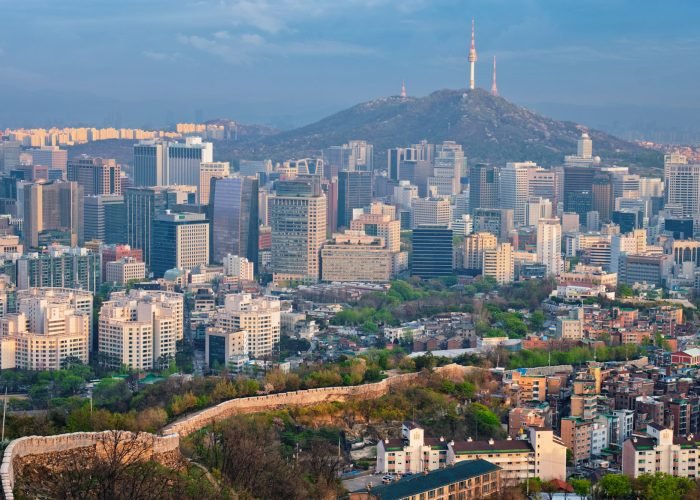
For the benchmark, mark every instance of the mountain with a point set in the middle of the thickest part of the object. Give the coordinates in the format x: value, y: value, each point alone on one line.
x: 491, y: 129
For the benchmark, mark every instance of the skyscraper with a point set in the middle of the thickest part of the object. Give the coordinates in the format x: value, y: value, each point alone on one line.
x: 233, y: 212
x: 96, y: 175
x: 354, y: 191
x: 432, y: 252
x: 184, y: 161
x: 298, y: 221
x: 53, y: 206
x: 549, y: 245
x: 515, y: 188
x: 150, y: 160
x: 182, y: 240
x: 448, y: 169
x: 103, y: 218
x: 142, y: 205
x: 483, y: 187
x: 578, y: 189
x: 51, y: 157
x: 682, y: 184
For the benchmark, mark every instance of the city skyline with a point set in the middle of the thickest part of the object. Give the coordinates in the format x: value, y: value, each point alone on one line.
x: 253, y: 61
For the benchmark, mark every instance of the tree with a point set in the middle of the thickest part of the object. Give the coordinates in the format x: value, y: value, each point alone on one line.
x: 582, y: 487
x: 112, y: 394
x: 624, y: 290
x: 614, y: 486
x: 662, y: 486
x: 549, y: 488
x: 537, y: 320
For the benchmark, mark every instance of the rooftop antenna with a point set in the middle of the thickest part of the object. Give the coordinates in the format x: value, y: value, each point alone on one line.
x: 494, y: 87
x: 403, y: 89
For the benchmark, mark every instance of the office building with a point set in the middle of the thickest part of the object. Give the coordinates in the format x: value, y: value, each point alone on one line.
x: 207, y: 172
x: 483, y: 187
x: 96, y: 175
x: 298, y: 220
x: 60, y: 267
x: 184, y: 161
x: 578, y: 189
x: 112, y: 253
x: 140, y: 329
x: 103, y: 218
x: 649, y: 269
x: 9, y: 155
x: 354, y: 256
x: 584, y: 153
x: 142, y: 206
x: 50, y: 327
x: 546, y: 184
x: 182, y: 240
x: 537, y: 208
x: 515, y: 189
x: 449, y: 166
x: 430, y: 211
x: 432, y: 251
x: 233, y: 212
x: 259, y: 317
x: 498, y: 221
x: 238, y: 268
x: 498, y: 263
x: 474, y: 247
x: 150, y: 163
x: 549, y: 245
x: 53, y: 207
x: 224, y: 348
x: 395, y: 157
x: 354, y: 191
x: 125, y: 270
x: 52, y: 157
x: 682, y: 184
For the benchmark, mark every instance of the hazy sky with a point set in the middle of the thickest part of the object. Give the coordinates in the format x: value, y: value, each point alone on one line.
x: 286, y: 62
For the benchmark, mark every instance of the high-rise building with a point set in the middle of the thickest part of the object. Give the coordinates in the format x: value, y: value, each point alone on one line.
x: 448, y: 168
x: 53, y: 206
x: 354, y: 191
x: 475, y: 245
x: 483, y: 187
x: 112, y: 253
x: 259, y: 317
x: 182, y: 240
x: 404, y: 194
x: 515, y: 188
x: 140, y: 329
x: 96, y: 175
x: 538, y: 208
x: 60, y: 267
x: 51, y: 157
x: 602, y: 196
x: 430, y: 211
x: 395, y: 157
x: 142, y: 206
x: 549, y: 245
x: 682, y: 182
x: 103, y: 218
x: 233, y: 212
x: 298, y: 221
x: 207, y: 172
x: 498, y: 221
x: 584, y: 153
x: 498, y: 263
x: 184, y: 161
x: 578, y: 189
x: 150, y: 163
x: 125, y: 270
x: 432, y: 251
x: 50, y: 327
x: 546, y: 184
x: 237, y: 267
x: 9, y: 155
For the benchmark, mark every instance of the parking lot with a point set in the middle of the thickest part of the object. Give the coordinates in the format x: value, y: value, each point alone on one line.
x: 360, y: 482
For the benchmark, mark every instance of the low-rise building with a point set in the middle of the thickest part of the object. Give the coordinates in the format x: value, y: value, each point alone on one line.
x: 658, y: 451
x: 125, y: 270
x: 354, y: 256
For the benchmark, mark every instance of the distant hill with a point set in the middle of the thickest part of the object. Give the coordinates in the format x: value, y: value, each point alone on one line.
x: 491, y: 129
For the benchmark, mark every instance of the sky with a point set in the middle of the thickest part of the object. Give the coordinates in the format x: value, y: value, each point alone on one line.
x: 289, y: 62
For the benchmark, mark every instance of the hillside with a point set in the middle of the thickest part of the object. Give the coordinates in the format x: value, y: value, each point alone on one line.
x: 490, y: 129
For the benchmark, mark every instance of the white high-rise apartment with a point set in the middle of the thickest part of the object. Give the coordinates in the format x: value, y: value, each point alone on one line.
x: 51, y: 326
x: 474, y: 247
x: 238, y: 267
x: 498, y: 263
x: 549, y: 245
x: 682, y: 184
x: 259, y: 317
x: 515, y: 189
x: 141, y: 329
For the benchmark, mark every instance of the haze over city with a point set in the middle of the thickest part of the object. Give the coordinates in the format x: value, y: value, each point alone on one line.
x: 615, y: 64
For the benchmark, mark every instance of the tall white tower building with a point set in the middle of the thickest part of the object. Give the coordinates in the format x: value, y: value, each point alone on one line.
x: 549, y: 245
x: 682, y: 184
x: 472, y: 59
x: 515, y: 189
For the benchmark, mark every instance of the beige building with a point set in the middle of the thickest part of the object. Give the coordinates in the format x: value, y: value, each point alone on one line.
x: 297, y: 215
x: 588, y: 276
x: 549, y: 245
x: 10, y: 243
x: 51, y: 326
x: 474, y: 247
x: 431, y: 211
x: 498, y: 263
x: 238, y: 267
x: 259, y: 317
x: 208, y: 171
x: 124, y: 270
x: 140, y: 329
x: 54, y: 205
x: 571, y: 327
x: 354, y: 256
x: 576, y: 435
x: 658, y: 451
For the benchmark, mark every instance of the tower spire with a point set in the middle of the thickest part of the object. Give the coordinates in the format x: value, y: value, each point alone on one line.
x: 472, y: 58
x: 403, y: 89
x: 494, y: 87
